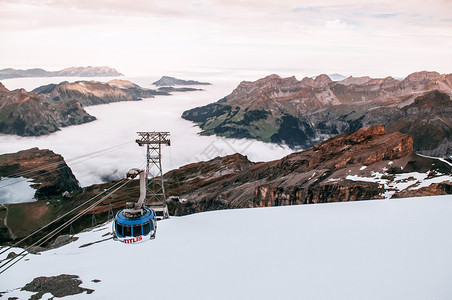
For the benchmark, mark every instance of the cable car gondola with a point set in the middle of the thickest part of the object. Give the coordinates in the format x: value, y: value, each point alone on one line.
x: 136, y: 223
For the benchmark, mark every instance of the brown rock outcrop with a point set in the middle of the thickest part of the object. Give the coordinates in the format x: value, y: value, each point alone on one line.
x: 26, y: 114
x: 343, y: 168
x: 50, y: 173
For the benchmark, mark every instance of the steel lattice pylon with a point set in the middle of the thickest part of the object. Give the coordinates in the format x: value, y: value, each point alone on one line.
x: 155, y: 188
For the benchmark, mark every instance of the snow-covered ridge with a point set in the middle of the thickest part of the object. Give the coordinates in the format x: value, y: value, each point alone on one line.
x: 404, y: 181
x: 382, y: 249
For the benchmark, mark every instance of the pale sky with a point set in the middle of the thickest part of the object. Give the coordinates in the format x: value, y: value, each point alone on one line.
x: 352, y: 37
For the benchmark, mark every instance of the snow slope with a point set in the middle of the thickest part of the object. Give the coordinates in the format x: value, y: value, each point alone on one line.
x: 380, y: 249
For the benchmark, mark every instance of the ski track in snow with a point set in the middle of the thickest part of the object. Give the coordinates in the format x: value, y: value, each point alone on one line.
x: 380, y: 249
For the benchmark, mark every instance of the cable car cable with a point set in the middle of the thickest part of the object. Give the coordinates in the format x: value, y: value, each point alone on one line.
x: 56, y: 231
x: 45, y: 172
x: 62, y: 216
x: 70, y: 159
x: 67, y: 162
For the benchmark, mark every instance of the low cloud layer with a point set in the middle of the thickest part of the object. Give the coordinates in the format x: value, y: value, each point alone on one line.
x: 15, y: 190
x: 111, y: 138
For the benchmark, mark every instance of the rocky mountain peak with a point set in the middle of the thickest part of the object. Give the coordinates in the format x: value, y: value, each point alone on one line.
x: 16, y: 96
x: 389, y: 79
x: 307, y: 81
x: 261, y: 88
x: 432, y: 99
x: 355, y: 80
x: 273, y: 79
x: 122, y: 84
x: 367, y: 133
x: 269, y: 78
x: 418, y: 77
x: 322, y: 81
x: 3, y: 88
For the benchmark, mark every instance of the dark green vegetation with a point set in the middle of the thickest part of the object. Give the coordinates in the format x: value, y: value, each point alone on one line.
x: 293, y: 132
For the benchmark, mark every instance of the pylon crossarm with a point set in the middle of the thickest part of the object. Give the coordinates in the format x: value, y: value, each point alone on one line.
x: 155, y: 138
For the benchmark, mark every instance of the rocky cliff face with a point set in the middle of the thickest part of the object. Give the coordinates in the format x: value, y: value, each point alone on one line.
x: 55, y: 186
x: 26, y: 114
x: 50, y: 173
x: 302, y: 113
x: 367, y: 164
x: 428, y: 120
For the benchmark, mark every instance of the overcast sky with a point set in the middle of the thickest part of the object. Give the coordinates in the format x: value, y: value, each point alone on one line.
x: 352, y: 37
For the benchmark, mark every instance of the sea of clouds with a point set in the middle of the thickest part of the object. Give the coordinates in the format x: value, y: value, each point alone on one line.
x: 116, y: 126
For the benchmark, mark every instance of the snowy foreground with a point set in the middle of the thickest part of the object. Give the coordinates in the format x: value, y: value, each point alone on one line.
x: 382, y: 249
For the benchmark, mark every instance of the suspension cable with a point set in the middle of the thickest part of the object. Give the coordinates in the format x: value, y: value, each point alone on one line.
x: 62, y: 216
x: 44, y: 239
x: 77, y: 160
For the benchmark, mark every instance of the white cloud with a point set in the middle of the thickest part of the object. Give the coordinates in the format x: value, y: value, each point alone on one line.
x: 135, y: 37
x: 335, y: 25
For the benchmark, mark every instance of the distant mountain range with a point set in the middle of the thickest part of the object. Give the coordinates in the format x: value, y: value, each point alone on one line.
x: 303, y: 113
x: 68, y: 72
x: 336, y: 77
